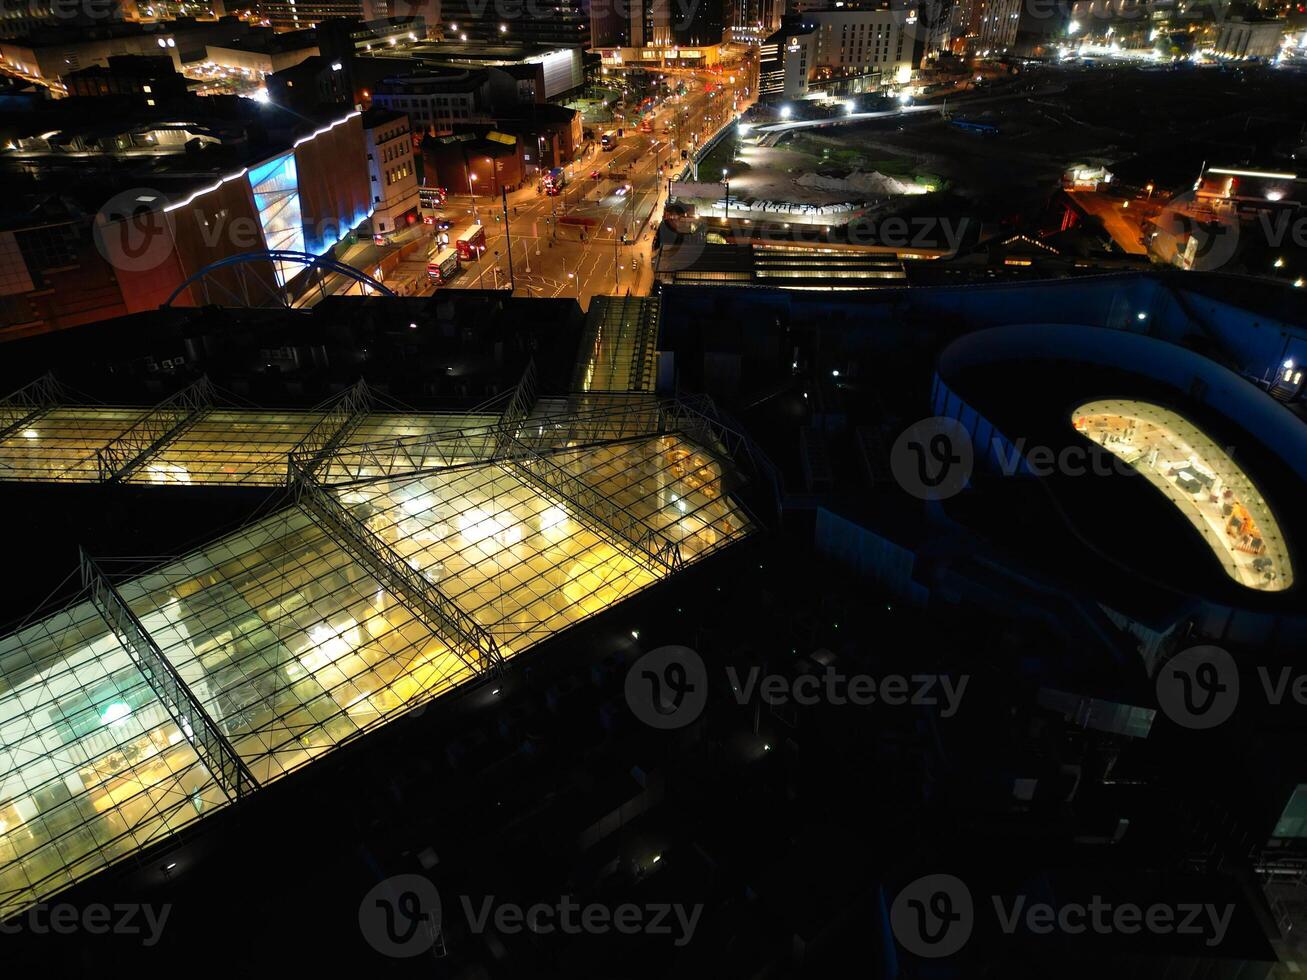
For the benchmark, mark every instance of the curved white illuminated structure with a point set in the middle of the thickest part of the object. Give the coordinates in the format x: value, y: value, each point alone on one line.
x: 1203, y: 482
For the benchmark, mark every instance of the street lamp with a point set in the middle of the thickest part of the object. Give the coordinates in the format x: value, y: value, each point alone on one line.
x: 614, y: 234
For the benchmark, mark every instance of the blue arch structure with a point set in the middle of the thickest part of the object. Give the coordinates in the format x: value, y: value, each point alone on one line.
x: 325, y: 263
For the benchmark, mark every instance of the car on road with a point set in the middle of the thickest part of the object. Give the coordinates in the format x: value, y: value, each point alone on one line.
x: 595, y: 175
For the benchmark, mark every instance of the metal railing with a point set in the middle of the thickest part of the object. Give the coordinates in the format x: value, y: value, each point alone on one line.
x: 642, y: 356
x: 623, y: 327
x: 491, y: 442
x: 332, y: 429
x: 215, y: 752
x: 27, y: 404
x: 518, y: 408
x: 154, y: 430
x: 601, y: 513
x: 469, y: 640
x: 409, y: 455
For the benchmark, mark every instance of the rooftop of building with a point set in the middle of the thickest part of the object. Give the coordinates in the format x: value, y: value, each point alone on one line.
x: 380, y: 116
x: 486, y: 51
x: 429, y: 549
x: 434, y: 78
x: 82, y: 156
x: 261, y: 41
x: 64, y: 35
x: 137, y: 65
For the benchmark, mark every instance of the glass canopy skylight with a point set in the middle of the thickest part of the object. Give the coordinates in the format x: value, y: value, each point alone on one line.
x: 294, y: 642
x: 223, y: 445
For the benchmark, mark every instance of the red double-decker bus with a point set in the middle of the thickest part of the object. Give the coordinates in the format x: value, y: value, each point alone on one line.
x: 471, y: 243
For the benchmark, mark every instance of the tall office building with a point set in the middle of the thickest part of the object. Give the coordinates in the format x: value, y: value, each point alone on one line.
x: 838, y: 52
x: 659, y: 23
x: 980, y: 26
x: 556, y: 22
x: 285, y: 15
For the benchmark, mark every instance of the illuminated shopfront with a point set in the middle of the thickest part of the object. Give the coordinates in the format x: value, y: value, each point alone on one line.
x: 1201, y: 480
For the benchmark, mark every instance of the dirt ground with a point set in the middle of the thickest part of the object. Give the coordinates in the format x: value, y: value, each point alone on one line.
x: 772, y: 173
x: 1139, y: 122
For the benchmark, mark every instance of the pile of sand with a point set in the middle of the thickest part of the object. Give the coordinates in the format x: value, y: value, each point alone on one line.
x: 868, y: 183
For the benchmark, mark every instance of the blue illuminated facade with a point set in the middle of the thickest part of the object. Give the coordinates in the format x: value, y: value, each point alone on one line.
x: 277, y: 199
x: 310, y: 197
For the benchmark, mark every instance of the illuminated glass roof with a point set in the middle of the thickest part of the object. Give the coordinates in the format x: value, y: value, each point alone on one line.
x: 222, y: 445
x: 1201, y: 480
x: 291, y: 636
x: 93, y: 767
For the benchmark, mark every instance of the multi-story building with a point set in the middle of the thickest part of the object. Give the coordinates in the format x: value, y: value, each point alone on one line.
x: 784, y: 63
x: 838, y: 51
x: 315, y: 81
x: 862, y: 41
x: 286, y: 15
x: 392, y: 171
x: 1245, y: 36
x: 147, y: 10
x: 660, y: 24
x: 751, y: 21
x: 263, y: 53
x: 550, y: 135
x: 556, y: 22
x: 48, y: 54
x: 205, y: 189
x: 437, y: 100
x: 544, y: 72
x: 21, y: 19
x: 984, y: 26
x: 146, y: 81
